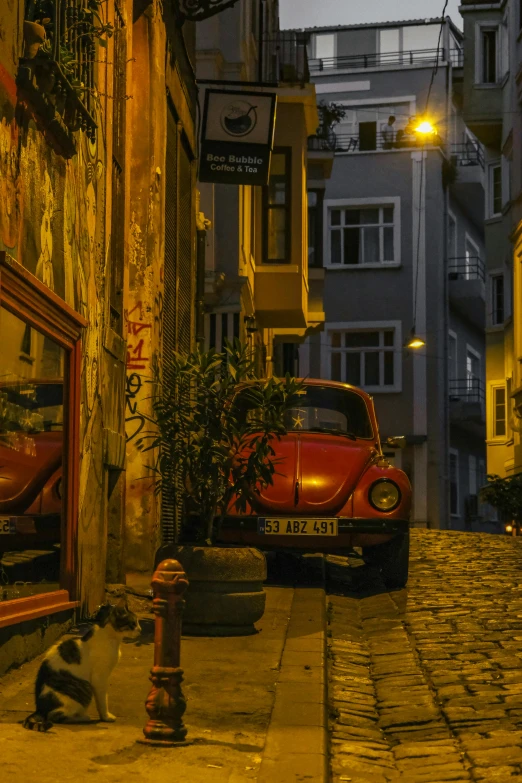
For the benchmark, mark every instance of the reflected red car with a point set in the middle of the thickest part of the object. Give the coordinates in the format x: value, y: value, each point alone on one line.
x: 31, y: 452
x: 334, y: 489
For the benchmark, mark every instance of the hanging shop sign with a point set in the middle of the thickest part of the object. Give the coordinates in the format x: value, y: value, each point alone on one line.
x: 237, y: 137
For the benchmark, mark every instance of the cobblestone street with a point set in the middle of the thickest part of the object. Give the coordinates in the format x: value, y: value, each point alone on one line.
x: 426, y: 683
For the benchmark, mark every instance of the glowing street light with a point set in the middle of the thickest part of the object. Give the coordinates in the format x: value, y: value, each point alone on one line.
x: 415, y: 341
x: 425, y: 128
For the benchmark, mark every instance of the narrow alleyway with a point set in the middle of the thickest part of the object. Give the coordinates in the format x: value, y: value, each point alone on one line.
x: 426, y: 683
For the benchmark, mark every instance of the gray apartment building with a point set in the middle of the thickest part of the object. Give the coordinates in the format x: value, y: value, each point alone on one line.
x: 492, y: 106
x: 398, y: 230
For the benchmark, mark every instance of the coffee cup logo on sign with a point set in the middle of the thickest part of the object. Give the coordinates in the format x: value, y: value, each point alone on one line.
x: 239, y: 118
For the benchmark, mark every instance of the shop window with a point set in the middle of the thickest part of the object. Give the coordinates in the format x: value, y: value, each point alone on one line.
x: 277, y: 211
x: 39, y: 412
x: 31, y: 450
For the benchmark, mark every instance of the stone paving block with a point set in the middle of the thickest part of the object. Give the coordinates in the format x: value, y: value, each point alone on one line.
x: 283, y: 740
x: 495, y: 756
x: 422, y: 749
x: 358, y: 732
x: 501, y: 774
x: 302, y: 674
x: 287, y: 713
x: 294, y: 768
x: 307, y: 658
x: 362, y: 771
x: 305, y: 644
x: 295, y: 693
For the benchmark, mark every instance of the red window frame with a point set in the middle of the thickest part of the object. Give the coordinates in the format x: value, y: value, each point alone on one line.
x: 26, y: 297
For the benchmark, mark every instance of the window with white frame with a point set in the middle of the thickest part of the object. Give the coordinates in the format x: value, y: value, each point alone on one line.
x: 495, y: 189
x: 497, y: 299
x: 454, y: 482
x: 489, y: 54
x: 471, y: 252
x: 362, y: 235
x: 498, y: 411
x: 473, y: 374
x: 367, y: 357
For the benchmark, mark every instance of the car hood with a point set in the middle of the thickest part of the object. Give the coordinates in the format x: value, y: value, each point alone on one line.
x: 316, y: 474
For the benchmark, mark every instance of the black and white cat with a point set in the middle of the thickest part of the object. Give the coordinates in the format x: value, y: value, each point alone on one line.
x: 75, y: 670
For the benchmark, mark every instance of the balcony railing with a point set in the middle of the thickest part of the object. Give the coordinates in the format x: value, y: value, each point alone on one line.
x: 469, y: 389
x: 370, y: 140
x: 466, y: 268
x: 467, y: 154
x: 377, y: 60
x: 322, y: 142
x: 286, y: 58
x: 457, y: 58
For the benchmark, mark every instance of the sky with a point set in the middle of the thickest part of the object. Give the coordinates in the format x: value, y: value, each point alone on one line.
x: 315, y: 13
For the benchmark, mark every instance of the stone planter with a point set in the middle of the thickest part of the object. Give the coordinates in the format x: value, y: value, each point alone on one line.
x: 225, y: 595
x: 34, y: 36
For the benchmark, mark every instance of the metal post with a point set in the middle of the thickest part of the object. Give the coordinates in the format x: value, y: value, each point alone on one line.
x: 165, y: 703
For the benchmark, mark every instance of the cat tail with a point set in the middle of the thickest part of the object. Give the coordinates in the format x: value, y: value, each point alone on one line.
x: 37, y: 722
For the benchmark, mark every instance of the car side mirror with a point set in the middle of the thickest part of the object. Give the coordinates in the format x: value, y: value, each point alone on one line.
x: 396, y: 442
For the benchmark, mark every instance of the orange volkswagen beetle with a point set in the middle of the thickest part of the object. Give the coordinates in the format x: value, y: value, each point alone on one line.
x: 333, y: 489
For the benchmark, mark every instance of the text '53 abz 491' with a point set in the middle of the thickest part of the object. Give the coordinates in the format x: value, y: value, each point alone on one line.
x: 237, y: 137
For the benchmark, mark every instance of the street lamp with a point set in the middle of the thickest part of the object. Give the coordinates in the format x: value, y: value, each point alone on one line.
x: 425, y: 128
x: 415, y: 341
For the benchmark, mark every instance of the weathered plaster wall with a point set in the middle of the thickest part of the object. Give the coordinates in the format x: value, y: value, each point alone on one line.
x: 54, y: 221
x: 145, y: 299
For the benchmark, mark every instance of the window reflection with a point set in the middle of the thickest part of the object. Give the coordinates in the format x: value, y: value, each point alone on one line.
x: 31, y: 446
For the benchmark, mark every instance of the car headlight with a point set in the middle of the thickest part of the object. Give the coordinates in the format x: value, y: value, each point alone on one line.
x: 384, y: 495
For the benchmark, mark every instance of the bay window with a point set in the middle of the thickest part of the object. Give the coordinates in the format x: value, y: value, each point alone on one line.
x: 277, y: 209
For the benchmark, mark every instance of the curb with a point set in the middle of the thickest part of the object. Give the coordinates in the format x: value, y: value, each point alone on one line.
x: 296, y: 745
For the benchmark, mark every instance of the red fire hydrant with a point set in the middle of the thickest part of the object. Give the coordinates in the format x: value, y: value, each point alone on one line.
x: 165, y: 703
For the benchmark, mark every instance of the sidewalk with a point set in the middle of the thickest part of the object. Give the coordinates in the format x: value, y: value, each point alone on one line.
x: 255, y: 709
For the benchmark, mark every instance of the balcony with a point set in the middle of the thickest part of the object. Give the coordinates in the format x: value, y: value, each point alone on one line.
x: 392, y: 60
x: 468, y: 186
x: 320, y: 155
x: 369, y: 139
x: 467, y: 404
x: 286, y: 58
x: 467, y: 291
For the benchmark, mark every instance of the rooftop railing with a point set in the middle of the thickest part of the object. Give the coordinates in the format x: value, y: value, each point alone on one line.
x: 470, y: 389
x: 369, y: 140
x: 468, y: 154
x: 466, y: 268
x: 286, y: 58
x: 378, y: 59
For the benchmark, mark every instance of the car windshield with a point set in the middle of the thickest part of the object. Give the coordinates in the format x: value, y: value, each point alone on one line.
x: 326, y: 409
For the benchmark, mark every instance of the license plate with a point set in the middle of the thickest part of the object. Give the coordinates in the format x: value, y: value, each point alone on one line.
x: 7, y: 525
x: 284, y: 526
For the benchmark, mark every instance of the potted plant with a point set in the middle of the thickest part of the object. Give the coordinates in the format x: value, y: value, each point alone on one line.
x: 506, y: 495
x: 214, y: 423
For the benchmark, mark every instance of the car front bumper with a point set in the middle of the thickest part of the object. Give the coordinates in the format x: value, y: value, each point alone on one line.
x: 351, y: 532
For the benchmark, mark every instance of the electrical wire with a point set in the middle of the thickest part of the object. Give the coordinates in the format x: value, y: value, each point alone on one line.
x: 421, y: 178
